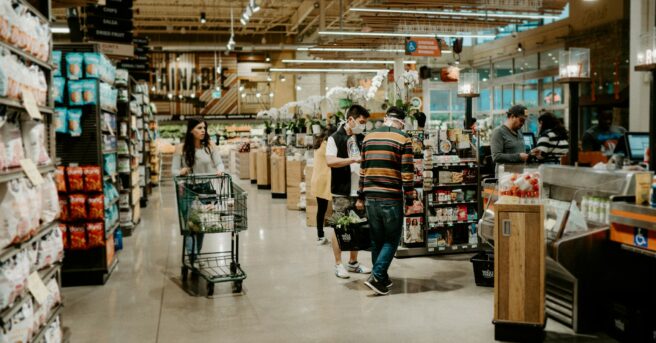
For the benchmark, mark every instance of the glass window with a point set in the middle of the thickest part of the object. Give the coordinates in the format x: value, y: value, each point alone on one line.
x: 484, y: 100
x: 439, y: 117
x: 439, y: 100
x: 483, y: 74
x: 549, y: 59
x: 457, y: 104
x: 519, y: 97
x: 558, y: 94
x: 526, y: 63
x: 507, y: 99
x: 531, y: 93
x: 504, y: 68
x: 547, y: 92
x: 497, y: 98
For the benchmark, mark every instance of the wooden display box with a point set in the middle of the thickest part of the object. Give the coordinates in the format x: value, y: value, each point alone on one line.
x: 252, y: 165
x: 263, y: 169
x: 295, y: 171
x: 308, y: 177
x: 278, y: 176
x: 293, y: 198
x: 311, y: 213
x: 244, y: 165
x: 519, y: 265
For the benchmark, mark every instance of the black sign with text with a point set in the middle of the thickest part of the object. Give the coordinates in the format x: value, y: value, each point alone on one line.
x: 111, y: 24
x: 110, y: 35
x: 119, y: 3
x: 110, y: 12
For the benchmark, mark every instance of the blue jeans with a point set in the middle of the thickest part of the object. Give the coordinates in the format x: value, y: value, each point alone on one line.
x: 386, y: 225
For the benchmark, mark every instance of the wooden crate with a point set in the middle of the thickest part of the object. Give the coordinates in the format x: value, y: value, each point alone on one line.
x: 295, y: 173
x: 519, y: 268
x: 252, y: 165
x: 244, y: 165
x: 278, y: 175
x: 263, y: 169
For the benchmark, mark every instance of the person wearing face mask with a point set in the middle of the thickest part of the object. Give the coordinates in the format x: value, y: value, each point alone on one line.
x: 507, y: 141
x: 386, y: 179
x: 343, y: 157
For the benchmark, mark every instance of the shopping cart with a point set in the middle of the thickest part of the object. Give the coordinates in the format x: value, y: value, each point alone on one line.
x: 211, y: 204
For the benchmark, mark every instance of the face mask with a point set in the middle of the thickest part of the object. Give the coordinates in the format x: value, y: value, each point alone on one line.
x: 358, y: 129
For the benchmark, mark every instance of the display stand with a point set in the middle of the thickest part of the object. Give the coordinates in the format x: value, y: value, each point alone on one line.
x: 129, y: 203
x: 519, y: 265
x: 451, y: 199
x: 278, y: 172
x: 252, y: 165
x: 92, y: 266
x: 13, y: 315
x: 263, y: 169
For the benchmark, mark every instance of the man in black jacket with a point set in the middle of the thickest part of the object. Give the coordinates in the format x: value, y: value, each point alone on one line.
x: 343, y: 157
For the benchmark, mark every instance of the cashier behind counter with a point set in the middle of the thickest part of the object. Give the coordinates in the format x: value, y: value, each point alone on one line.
x: 604, y: 136
x: 507, y: 141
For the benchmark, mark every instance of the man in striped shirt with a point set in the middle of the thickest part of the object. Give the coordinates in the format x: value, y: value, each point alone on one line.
x: 386, y: 175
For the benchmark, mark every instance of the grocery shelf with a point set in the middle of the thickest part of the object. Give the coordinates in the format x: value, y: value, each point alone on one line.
x: 442, y: 203
x: 16, y: 173
x: 26, y: 55
x: 9, y: 312
x: 19, y: 106
x: 455, y: 185
x: 450, y: 223
x: 110, y: 232
x: 51, y: 318
x: 12, y: 250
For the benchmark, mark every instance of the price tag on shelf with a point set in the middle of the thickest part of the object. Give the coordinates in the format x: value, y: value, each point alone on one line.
x: 38, y: 289
x: 455, y: 247
x: 474, y: 246
x: 442, y: 248
x: 31, y: 171
x: 431, y: 249
x: 30, y: 104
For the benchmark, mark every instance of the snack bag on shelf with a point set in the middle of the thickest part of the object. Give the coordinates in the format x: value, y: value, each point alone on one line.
x: 92, y: 179
x: 74, y: 61
x: 61, y: 120
x: 33, y: 203
x: 57, y: 61
x: 75, y: 179
x: 96, y: 234
x: 75, y: 90
x: 77, y: 205
x: 78, y: 237
x: 58, y: 89
x: 96, y: 207
x: 63, y: 209
x: 89, y: 92
x: 75, y: 121
x: 11, y: 216
x: 11, y: 137
x: 34, y: 137
x: 49, y: 200
x: 92, y: 65
x: 60, y: 179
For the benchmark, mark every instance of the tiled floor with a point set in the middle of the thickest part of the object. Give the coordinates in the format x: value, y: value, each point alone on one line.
x: 290, y: 295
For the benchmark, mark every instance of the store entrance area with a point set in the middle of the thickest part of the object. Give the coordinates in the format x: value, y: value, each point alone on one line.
x: 290, y: 295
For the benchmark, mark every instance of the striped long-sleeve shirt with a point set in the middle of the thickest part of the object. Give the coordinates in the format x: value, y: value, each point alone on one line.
x: 552, y: 146
x: 387, y: 169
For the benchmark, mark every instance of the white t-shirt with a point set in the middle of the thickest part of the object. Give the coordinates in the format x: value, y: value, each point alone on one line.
x: 331, y: 150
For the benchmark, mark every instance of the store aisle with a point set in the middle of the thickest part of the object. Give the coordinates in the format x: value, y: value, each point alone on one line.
x: 291, y: 293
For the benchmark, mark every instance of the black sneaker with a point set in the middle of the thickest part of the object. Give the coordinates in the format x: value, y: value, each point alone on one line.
x: 388, y: 282
x: 377, y: 286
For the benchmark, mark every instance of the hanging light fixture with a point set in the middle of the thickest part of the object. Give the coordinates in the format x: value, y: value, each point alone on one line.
x: 254, y: 6
x: 231, y: 43
x: 203, y: 19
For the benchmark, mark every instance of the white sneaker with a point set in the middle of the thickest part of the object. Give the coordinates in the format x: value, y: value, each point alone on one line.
x: 358, y: 268
x: 322, y: 241
x: 341, y: 272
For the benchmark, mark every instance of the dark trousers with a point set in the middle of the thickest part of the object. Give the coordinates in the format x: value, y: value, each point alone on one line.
x: 386, y: 225
x: 321, y: 215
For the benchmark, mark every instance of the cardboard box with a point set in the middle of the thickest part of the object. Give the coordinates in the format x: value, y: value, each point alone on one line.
x: 295, y: 170
x: 311, y: 201
x: 252, y: 164
x: 293, y: 198
x: 278, y: 174
x: 263, y: 168
x: 311, y: 214
x: 244, y: 165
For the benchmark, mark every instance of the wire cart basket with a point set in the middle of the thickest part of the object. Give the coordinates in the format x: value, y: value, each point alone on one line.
x: 211, y: 204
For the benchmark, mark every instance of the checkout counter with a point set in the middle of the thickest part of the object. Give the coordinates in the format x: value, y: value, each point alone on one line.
x: 577, y: 249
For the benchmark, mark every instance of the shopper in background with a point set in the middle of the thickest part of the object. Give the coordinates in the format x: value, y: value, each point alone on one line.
x: 507, y: 141
x: 386, y: 177
x: 320, y: 183
x: 197, y: 155
x: 343, y: 157
x: 553, y: 141
x: 603, y: 136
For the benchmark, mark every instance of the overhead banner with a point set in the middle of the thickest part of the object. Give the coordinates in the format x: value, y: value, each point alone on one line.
x: 415, y: 46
